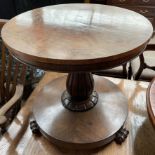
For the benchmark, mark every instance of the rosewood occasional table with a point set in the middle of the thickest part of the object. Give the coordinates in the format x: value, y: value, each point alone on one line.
x: 151, y: 101
x: 78, y: 39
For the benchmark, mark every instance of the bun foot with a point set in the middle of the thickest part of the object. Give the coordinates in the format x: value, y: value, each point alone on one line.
x: 2, y: 130
x: 121, y: 135
x: 34, y: 127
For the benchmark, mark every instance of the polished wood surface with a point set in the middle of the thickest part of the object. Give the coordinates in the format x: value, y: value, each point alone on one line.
x: 77, y: 37
x: 151, y: 101
x: 19, y: 139
x: 80, y: 130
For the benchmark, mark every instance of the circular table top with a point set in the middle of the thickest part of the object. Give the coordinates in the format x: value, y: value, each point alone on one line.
x: 151, y: 101
x: 77, y: 37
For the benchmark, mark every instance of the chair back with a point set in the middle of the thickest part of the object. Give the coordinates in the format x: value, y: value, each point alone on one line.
x: 12, y: 72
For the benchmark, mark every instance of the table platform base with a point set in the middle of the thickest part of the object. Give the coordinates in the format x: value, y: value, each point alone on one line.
x: 81, y: 130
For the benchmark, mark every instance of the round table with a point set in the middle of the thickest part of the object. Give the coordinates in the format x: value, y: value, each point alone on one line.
x: 78, y: 39
x: 151, y: 101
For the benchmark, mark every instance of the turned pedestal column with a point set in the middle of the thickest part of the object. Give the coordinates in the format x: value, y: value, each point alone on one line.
x: 80, y: 94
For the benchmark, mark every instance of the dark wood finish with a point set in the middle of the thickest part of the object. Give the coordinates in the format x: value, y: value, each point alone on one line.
x: 79, y: 105
x: 2, y: 22
x: 121, y: 135
x: 151, y: 101
x: 80, y: 85
x: 34, y: 127
x: 119, y: 1
x: 144, y: 7
x: 96, y: 1
x: 80, y: 130
x: 141, y: 67
x: 146, y: 11
x: 144, y: 2
x: 132, y: 2
x: 85, y: 43
x: 79, y: 95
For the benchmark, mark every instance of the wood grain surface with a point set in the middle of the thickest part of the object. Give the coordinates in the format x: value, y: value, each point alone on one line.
x: 141, y: 140
x: 77, y: 37
x: 80, y: 130
x: 151, y: 101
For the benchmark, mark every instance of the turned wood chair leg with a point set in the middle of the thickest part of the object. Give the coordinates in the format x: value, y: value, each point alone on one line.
x: 141, y: 67
x: 129, y: 71
x: 125, y: 70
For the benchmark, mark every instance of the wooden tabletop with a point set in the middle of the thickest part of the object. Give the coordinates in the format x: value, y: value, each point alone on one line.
x: 77, y: 37
x: 151, y: 101
x: 141, y: 140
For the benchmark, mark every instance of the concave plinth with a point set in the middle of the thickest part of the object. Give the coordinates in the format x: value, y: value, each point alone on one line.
x: 80, y: 130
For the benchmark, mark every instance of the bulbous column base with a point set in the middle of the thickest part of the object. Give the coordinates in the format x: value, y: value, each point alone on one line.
x: 79, y: 106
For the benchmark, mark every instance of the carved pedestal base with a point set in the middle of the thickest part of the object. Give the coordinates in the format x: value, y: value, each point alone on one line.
x: 81, y: 130
x: 80, y: 105
x: 121, y: 135
x: 34, y: 127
